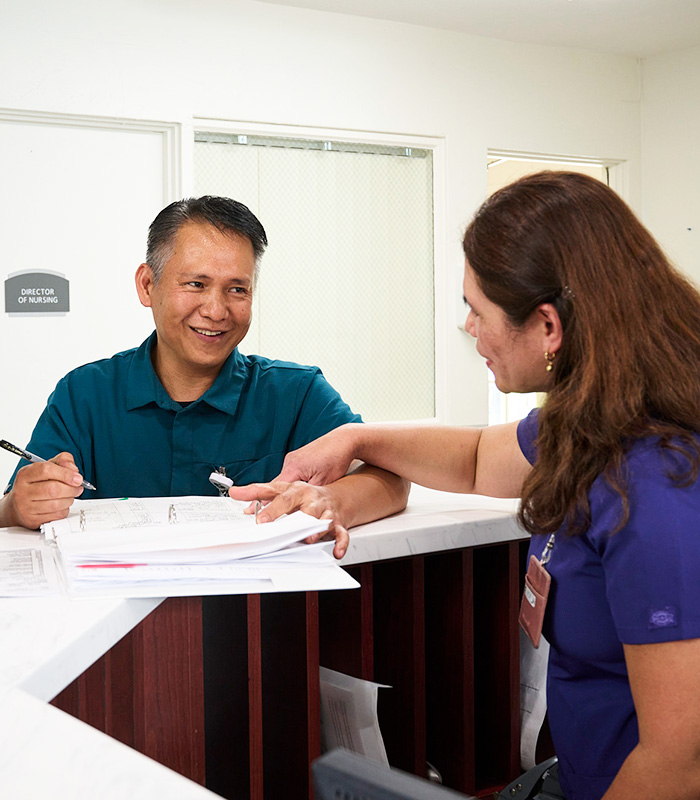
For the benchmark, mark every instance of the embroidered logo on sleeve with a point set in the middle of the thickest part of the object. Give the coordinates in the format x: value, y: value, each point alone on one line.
x: 663, y: 617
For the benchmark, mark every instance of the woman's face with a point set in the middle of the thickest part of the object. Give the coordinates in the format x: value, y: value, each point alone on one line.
x: 516, y: 357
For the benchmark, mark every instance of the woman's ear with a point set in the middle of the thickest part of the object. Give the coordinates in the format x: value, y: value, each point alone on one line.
x: 552, y: 329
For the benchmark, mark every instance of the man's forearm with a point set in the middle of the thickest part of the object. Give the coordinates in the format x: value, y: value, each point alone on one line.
x: 368, y: 493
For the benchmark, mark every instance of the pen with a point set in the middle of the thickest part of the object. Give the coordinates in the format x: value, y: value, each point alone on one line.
x: 31, y: 457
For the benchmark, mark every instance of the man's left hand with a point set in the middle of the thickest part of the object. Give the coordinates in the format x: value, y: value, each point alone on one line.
x: 280, y: 497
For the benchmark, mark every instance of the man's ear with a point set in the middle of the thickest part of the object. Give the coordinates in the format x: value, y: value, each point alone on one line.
x: 552, y: 330
x: 144, y: 284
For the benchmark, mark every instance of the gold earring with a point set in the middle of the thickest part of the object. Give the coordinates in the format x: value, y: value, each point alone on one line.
x: 549, y: 358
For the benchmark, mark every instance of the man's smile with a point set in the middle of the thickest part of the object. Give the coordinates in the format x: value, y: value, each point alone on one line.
x: 206, y: 332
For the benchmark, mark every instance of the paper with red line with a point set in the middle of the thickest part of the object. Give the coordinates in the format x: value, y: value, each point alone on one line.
x: 188, y: 546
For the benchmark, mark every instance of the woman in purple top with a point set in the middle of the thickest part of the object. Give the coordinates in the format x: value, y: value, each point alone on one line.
x: 569, y: 294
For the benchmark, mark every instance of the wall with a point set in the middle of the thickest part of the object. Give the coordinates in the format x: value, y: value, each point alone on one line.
x: 178, y: 59
x: 671, y: 156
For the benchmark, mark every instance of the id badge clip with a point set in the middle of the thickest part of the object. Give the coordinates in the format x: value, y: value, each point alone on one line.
x: 222, y: 482
x: 535, y: 594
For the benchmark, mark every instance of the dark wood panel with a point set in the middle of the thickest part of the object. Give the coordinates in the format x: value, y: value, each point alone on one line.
x: 449, y: 655
x: 69, y: 699
x: 103, y: 696
x: 497, y: 663
x: 119, y: 691
x: 92, y: 705
x: 227, y: 648
x: 346, y: 622
x: 313, y: 685
x: 289, y: 628
x: 399, y: 660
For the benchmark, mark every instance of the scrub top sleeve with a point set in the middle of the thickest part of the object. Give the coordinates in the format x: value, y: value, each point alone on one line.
x: 54, y: 431
x: 652, y: 565
x: 321, y: 409
x: 527, y: 435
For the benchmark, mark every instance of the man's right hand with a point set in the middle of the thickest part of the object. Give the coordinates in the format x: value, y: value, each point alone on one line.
x: 41, y: 493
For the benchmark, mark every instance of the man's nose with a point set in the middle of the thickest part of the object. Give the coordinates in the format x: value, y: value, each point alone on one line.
x: 214, y: 305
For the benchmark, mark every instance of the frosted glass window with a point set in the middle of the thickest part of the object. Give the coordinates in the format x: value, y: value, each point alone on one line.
x: 347, y: 280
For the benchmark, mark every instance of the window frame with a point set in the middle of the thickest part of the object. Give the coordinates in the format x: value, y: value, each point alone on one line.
x: 442, y: 284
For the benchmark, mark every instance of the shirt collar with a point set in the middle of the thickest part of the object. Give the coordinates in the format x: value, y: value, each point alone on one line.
x: 144, y: 386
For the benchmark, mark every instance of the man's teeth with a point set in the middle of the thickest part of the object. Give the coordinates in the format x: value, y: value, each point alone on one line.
x: 207, y: 333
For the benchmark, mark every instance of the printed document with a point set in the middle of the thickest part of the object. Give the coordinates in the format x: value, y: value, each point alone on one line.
x: 185, y: 546
x: 349, y: 715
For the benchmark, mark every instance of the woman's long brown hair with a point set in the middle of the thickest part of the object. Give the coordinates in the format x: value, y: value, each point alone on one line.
x: 629, y: 364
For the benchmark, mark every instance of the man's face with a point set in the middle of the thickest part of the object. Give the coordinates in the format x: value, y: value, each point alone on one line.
x: 201, y: 305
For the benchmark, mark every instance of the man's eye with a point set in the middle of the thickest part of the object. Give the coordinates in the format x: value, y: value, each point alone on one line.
x: 196, y: 284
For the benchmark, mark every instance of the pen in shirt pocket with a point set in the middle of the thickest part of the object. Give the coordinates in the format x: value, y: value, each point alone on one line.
x: 11, y: 448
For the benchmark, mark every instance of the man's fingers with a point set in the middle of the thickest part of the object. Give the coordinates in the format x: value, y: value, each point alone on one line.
x: 284, y: 498
x: 342, y: 540
x: 65, y: 460
x: 61, y: 471
x: 48, y: 510
x: 36, y: 503
x: 284, y: 503
x: 337, y: 532
x: 254, y: 491
x: 71, y: 475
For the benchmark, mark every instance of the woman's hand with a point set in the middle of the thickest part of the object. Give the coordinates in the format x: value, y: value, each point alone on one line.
x: 282, y: 497
x: 324, y: 460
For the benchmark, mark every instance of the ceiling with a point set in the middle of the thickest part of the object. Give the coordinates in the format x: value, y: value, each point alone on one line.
x: 636, y: 28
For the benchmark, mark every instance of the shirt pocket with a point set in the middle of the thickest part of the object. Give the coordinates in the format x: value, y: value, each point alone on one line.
x: 253, y: 470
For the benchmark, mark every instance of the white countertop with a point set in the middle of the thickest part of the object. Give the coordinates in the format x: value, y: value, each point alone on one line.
x: 432, y: 522
x: 47, y: 642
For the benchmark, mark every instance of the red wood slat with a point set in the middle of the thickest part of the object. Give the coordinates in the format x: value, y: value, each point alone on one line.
x: 255, y: 725
x: 169, y: 687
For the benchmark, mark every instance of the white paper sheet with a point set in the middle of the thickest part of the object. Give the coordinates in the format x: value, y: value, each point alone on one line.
x: 144, y: 512
x: 28, y: 572
x: 319, y: 571
x: 349, y: 715
x: 533, y: 696
x: 208, y: 529
x: 134, y: 548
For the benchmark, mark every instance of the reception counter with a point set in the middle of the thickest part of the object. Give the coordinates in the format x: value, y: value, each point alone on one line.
x: 224, y: 691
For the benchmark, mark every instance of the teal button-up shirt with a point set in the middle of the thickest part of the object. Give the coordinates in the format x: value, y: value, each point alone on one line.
x: 130, y: 439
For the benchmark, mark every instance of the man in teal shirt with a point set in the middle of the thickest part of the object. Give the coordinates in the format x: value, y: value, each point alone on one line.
x: 157, y: 420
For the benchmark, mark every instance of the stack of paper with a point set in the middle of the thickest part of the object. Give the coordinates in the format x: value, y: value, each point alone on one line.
x: 188, y: 546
